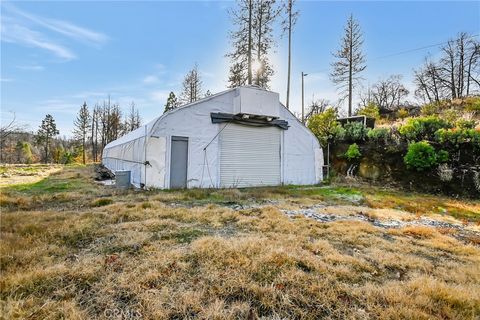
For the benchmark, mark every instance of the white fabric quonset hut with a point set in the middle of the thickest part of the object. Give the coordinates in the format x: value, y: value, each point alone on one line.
x: 241, y: 137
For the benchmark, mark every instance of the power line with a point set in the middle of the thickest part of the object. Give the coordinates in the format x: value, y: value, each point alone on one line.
x: 417, y: 49
x: 402, y: 52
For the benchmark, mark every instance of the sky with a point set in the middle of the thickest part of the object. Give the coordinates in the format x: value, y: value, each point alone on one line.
x: 55, y: 55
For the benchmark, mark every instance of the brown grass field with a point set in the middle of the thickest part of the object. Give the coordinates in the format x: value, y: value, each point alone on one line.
x: 75, y: 249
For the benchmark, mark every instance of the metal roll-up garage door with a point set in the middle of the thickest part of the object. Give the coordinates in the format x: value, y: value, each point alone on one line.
x: 249, y: 156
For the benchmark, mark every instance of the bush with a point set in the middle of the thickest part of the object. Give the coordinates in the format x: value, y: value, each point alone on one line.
x: 466, y: 124
x: 371, y: 110
x: 325, y: 126
x: 422, y: 156
x: 379, y: 134
x: 355, y: 131
x: 353, y: 152
x: 457, y: 136
x: 422, y: 128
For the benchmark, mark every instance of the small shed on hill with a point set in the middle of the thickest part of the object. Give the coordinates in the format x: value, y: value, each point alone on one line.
x: 366, y: 121
x: 241, y: 137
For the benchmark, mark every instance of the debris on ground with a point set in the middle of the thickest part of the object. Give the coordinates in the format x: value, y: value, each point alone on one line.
x: 102, y: 173
x: 462, y: 232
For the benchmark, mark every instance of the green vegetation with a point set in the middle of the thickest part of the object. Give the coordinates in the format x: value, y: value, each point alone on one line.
x: 458, y: 136
x: 423, y: 128
x: 370, y: 110
x: 353, y: 152
x: 422, y: 156
x: 325, y: 126
x: 379, y: 134
x: 355, y: 131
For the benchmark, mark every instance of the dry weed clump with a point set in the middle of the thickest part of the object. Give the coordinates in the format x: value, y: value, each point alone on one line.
x: 153, y: 255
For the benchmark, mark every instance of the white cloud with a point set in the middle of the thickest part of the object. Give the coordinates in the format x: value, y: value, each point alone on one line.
x: 63, y: 27
x: 15, y: 33
x: 6, y: 79
x: 22, y: 28
x: 150, y: 79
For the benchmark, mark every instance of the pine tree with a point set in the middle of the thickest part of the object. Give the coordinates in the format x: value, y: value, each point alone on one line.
x: 242, y: 42
x: 208, y: 93
x: 46, y: 132
x: 350, y: 61
x: 237, y: 75
x: 266, y: 12
x: 192, y: 86
x: 172, y: 102
x: 82, y: 127
x: 253, y: 36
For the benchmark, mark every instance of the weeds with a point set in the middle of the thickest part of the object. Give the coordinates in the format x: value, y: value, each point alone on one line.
x: 188, y: 254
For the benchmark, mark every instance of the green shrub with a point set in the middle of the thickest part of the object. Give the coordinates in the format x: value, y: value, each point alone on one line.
x: 465, y: 124
x: 353, y: 152
x: 457, y: 136
x: 422, y: 156
x: 422, y: 128
x: 370, y: 110
x: 325, y: 126
x: 355, y: 131
x: 379, y: 134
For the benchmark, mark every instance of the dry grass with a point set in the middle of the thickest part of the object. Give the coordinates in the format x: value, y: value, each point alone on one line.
x: 183, y: 255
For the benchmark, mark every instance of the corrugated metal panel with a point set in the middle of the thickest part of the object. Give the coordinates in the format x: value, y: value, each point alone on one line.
x: 249, y: 156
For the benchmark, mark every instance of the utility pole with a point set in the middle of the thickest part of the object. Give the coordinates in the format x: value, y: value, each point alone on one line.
x: 289, y: 50
x: 303, y: 93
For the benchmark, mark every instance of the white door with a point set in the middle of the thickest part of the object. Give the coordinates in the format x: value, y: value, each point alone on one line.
x: 249, y: 156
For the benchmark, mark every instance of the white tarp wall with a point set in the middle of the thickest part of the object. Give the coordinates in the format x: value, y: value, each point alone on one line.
x: 127, y: 153
x: 301, y: 156
x: 195, y: 123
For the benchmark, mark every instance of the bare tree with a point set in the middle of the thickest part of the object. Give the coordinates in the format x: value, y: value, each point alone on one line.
x: 388, y: 94
x: 427, y: 80
x: 287, y: 24
x: 350, y: 61
x: 82, y: 127
x: 316, y: 106
x: 95, y: 131
x: 192, y: 86
x: 133, y: 120
x: 6, y: 130
x: 455, y: 75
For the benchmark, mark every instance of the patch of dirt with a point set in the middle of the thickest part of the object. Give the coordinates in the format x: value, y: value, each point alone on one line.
x: 16, y: 175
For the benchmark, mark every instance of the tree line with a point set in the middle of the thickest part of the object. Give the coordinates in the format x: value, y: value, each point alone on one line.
x: 93, y: 129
